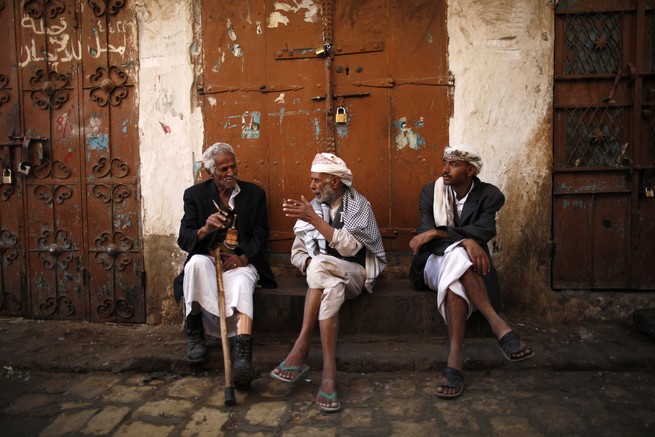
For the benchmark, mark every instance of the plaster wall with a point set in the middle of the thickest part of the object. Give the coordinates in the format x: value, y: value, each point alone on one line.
x: 171, y: 135
x: 501, y: 55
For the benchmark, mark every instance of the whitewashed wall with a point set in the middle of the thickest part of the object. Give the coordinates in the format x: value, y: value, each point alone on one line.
x: 501, y: 54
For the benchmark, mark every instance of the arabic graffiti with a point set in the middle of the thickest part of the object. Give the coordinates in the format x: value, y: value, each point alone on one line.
x: 62, y: 44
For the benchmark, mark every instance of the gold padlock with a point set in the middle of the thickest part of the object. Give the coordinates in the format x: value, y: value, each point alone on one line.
x: 341, y: 116
x: 6, y: 177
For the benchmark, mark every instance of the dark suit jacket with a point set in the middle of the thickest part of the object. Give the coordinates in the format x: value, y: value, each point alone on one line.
x: 252, y: 224
x: 478, y: 222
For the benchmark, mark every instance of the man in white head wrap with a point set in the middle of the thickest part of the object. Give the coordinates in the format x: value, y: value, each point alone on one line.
x: 451, y: 257
x: 338, y: 247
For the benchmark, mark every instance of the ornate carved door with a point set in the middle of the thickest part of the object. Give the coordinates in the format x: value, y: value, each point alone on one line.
x: 69, y: 221
x: 275, y: 74
x: 604, y: 145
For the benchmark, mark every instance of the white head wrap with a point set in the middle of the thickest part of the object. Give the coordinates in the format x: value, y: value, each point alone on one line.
x: 331, y: 164
x: 463, y: 152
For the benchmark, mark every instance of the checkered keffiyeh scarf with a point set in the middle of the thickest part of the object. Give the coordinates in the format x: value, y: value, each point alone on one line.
x: 360, y: 222
x: 358, y: 219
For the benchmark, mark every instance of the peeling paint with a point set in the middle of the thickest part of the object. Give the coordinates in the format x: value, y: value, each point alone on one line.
x: 230, y: 30
x: 124, y: 126
x: 280, y: 99
x: 281, y: 115
x: 259, y: 30
x: 98, y: 142
x: 406, y: 136
x: 342, y: 129
x: 219, y: 62
x: 276, y: 17
x: 211, y: 100
x: 236, y: 50
x: 317, y: 129
x: 250, y: 122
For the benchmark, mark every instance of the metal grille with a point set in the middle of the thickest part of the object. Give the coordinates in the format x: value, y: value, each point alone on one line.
x: 593, y: 43
x: 592, y: 137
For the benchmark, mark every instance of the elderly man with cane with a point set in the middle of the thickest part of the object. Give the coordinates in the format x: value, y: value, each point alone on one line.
x: 451, y: 257
x: 226, y: 216
x: 339, y: 248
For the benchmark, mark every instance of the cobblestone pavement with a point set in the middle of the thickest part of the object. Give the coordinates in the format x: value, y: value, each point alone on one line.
x: 516, y: 401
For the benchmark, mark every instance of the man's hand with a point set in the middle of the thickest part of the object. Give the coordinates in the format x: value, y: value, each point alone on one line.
x: 214, y: 222
x: 231, y: 261
x: 299, y: 209
x: 421, y: 239
x: 479, y: 258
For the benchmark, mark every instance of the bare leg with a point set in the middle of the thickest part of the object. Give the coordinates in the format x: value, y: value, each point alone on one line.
x: 329, y: 330
x: 298, y: 354
x: 244, y: 323
x: 477, y: 293
x: 456, y: 313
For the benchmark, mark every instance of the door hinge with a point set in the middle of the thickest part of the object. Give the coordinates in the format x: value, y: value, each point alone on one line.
x: 390, y: 82
x: 264, y: 88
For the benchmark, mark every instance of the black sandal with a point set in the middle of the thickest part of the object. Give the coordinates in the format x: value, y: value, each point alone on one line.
x: 454, y: 379
x: 509, y: 344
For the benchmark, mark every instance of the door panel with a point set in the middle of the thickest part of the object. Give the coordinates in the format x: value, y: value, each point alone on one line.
x: 372, y: 58
x: 603, y: 149
x: 73, y: 123
x: 14, y: 297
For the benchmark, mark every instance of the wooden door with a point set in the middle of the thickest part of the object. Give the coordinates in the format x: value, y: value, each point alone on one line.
x: 604, y: 145
x: 274, y: 75
x: 68, y: 126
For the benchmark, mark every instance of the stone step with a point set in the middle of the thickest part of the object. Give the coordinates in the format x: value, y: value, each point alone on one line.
x: 394, y: 308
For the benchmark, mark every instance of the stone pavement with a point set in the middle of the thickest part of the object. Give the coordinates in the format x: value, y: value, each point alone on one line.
x: 75, y: 378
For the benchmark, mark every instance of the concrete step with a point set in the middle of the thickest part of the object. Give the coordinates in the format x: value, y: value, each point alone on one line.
x: 394, y: 308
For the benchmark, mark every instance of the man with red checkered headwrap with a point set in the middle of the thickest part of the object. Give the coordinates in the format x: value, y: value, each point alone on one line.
x: 338, y: 247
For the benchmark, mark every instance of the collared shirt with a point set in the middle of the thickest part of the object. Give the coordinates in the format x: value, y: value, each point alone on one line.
x: 460, y: 202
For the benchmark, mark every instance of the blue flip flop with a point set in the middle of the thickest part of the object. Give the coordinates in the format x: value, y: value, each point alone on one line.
x: 330, y: 398
x: 301, y: 371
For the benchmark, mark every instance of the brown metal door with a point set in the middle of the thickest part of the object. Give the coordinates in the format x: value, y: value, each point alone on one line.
x: 275, y: 76
x: 604, y: 145
x: 70, y: 216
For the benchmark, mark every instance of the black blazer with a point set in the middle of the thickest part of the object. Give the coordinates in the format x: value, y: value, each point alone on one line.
x: 252, y: 224
x: 478, y: 222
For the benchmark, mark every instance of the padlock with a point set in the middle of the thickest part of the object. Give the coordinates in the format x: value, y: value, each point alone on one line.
x: 341, y: 116
x: 649, y: 192
x: 7, y: 177
x: 24, y: 168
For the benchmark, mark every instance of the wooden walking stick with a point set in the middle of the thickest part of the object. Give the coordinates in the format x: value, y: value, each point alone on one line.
x: 230, y: 398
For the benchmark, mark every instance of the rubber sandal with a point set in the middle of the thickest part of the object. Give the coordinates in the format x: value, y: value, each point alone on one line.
x: 509, y: 345
x: 301, y: 371
x: 454, y: 379
x: 330, y: 398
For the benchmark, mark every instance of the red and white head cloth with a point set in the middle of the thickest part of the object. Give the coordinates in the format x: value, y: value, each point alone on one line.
x: 330, y: 163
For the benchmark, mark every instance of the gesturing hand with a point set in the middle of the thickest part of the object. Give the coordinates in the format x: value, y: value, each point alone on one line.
x: 299, y: 209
